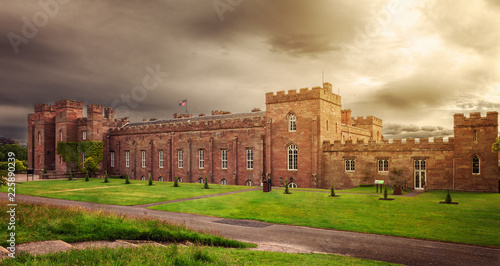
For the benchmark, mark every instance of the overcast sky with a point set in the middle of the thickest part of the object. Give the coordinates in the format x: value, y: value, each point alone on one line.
x: 411, y: 63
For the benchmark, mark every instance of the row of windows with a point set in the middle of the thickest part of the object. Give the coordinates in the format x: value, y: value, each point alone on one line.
x: 180, y: 161
x: 383, y: 165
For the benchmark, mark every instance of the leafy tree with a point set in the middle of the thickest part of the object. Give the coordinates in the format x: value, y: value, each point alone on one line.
x: 127, y: 180
x: 3, y: 178
x: 2, y: 156
x: 106, y: 177
x: 150, y: 179
x: 206, y: 183
x: 176, y: 182
x: 496, y: 145
x: 90, y: 166
x: 71, y: 152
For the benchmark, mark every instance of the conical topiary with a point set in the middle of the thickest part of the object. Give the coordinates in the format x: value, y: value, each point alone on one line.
x: 286, y: 188
x: 70, y: 177
x: 127, y: 180
x: 206, y: 183
x: 448, y: 196
x: 106, y: 177
x: 332, y: 191
x: 150, y: 180
x: 86, y: 176
x: 176, y: 182
x: 385, y: 191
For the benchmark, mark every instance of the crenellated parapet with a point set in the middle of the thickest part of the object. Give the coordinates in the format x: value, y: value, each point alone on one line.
x: 475, y: 120
x: 369, y: 120
x: 195, y: 124
x: 69, y: 104
x: 324, y: 93
x: 43, y: 107
x: 390, y: 145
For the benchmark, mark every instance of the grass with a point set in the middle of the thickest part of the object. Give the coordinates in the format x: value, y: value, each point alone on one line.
x: 36, y: 222
x: 174, y: 255
x: 356, y: 190
x: 116, y: 192
x: 474, y: 221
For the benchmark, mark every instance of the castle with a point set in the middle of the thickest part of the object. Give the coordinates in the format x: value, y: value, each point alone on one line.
x: 304, y: 136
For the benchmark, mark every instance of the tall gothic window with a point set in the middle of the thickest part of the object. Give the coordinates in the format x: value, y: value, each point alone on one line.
x: 161, y: 159
x: 292, y: 157
x: 224, y: 159
x: 475, y: 165
x: 292, y: 123
x: 249, y: 159
x: 202, y: 159
x: 349, y: 165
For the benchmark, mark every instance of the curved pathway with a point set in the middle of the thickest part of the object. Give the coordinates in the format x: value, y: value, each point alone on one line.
x: 367, y: 246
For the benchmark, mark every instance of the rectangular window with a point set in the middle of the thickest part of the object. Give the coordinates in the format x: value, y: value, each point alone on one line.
x: 161, y: 159
x: 127, y: 158
x: 180, y: 162
x: 83, y: 159
x: 143, y: 156
x: 349, y: 165
x: 60, y: 159
x: 383, y: 165
x: 112, y: 155
x: 249, y: 159
x: 201, y: 164
x: 84, y: 134
x: 61, y: 135
x: 224, y: 159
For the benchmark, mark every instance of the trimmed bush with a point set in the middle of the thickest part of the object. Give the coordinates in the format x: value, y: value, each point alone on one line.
x: 106, y: 177
x: 206, y: 183
x: 150, y: 180
x: 385, y: 190
x: 44, y: 170
x: 86, y: 176
x: 70, y: 177
x: 286, y: 188
x: 448, y: 196
x: 332, y: 191
x: 176, y: 182
x: 127, y: 180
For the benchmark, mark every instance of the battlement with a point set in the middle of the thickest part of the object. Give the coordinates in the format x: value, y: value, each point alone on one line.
x: 81, y: 121
x: 69, y: 104
x: 369, y: 120
x: 178, y: 116
x: 94, y: 112
x: 196, y: 124
x: 324, y: 93
x: 410, y: 144
x: 475, y: 119
x: 109, y: 113
x: 220, y: 112
x: 43, y: 107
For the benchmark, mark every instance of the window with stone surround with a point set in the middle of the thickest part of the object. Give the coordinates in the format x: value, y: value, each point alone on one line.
x: 180, y: 161
x: 475, y: 165
x: 112, y: 155
x: 143, y: 159
x: 249, y: 159
x: 160, y: 159
x: 201, y: 157
x: 349, y: 165
x: 84, y: 135
x: 224, y: 159
x: 292, y: 157
x: 249, y: 183
x: 127, y: 158
x: 60, y: 135
x: 223, y: 182
x: 292, y: 185
x: 383, y: 165
x: 292, y: 123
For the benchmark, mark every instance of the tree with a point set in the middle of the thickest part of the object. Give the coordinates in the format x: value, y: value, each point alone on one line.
x: 176, y: 182
x: 332, y: 191
x: 90, y: 166
x: 286, y: 188
x: 150, y: 179
x: 70, y: 177
x: 106, y: 177
x: 71, y: 152
x: 86, y: 177
x: 206, y: 183
x: 496, y: 145
x: 127, y: 180
x: 448, y: 196
x: 385, y: 190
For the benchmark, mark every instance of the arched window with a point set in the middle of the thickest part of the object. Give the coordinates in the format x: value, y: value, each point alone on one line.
x: 179, y: 180
x: 292, y: 185
x: 143, y: 178
x: 292, y: 123
x: 160, y: 178
x: 60, y: 135
x: 475, y: 165
x: 200, y: 180
x: 223, y: 182
x: 292, y: 157
x: 249, y: 183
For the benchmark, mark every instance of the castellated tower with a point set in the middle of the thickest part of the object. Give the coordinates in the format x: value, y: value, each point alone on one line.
x: 67, y: 113
x: 41, y: 145
x: 475, y: 165
x: 298, y: 122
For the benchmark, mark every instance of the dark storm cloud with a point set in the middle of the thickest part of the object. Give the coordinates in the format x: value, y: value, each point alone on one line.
x: 414, y: 131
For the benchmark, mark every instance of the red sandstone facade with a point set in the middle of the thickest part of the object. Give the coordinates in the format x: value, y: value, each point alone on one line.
x: 304, y: 135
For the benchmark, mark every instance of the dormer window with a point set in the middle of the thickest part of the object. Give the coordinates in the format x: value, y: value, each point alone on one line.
x: 292, y: 123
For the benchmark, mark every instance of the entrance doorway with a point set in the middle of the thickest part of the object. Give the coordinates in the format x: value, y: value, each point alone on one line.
x: 420, y: 176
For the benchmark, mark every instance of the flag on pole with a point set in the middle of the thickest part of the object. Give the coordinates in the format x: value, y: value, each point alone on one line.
x: 183, y: 103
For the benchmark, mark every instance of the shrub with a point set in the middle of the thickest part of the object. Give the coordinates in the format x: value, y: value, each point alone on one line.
x: 70, y: 177
x: 206, y: 183
x: 385, y: 190
x: 176, y: 182
x: 286, y: 188
x: 86, y: 176
x: 448, y: 196
x: 332, y: 191
x: 44, y: 170
x: 106, y: 177
x: 127, y: 180
x: 150, y: 180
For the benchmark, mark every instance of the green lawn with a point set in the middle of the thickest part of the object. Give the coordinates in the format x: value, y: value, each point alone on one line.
x: 356, y: 190
x: 174, y: 255
x: 475, y: 220
x: 38, y: 222
x: 116, y: 191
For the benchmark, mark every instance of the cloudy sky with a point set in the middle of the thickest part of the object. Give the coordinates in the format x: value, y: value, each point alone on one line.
x: 411, y: 63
